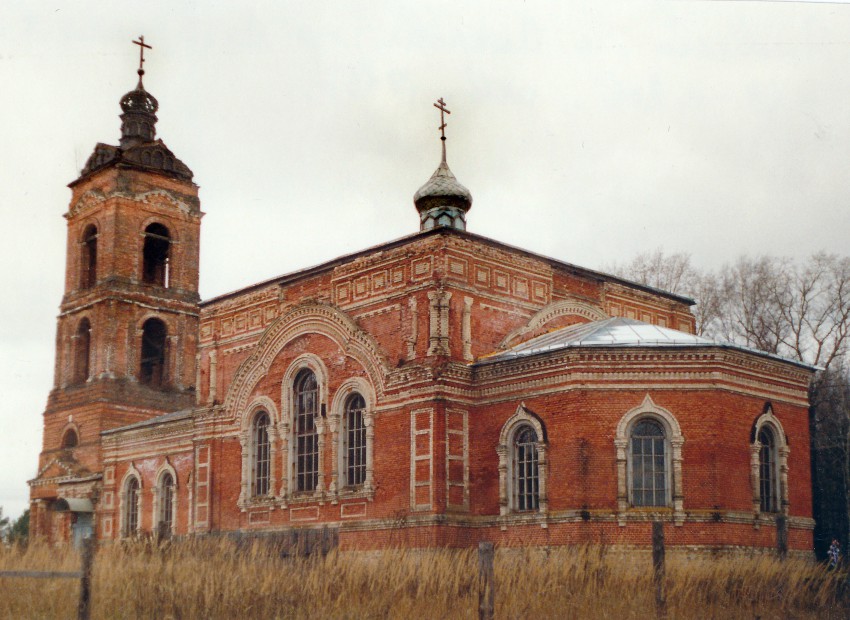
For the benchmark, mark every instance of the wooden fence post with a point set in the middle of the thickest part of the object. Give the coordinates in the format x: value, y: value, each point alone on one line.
x: 658, y: 568
x: 84, y: 607
x: 486, y: 589
x: 782, y: 536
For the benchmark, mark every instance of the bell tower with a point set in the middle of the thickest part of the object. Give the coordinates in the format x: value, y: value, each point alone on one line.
x: 128, y: 321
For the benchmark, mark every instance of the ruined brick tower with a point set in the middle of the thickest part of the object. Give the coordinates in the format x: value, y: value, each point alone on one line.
x: 128, y: 322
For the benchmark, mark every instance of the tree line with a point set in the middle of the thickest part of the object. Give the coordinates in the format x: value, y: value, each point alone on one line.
x: 798, y: 309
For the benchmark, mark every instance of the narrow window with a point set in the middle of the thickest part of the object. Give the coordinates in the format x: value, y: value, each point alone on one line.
x: 262, y: 459
x: 88, y: 271
x: 155, y: 268
x: 166, y: 501
x: 767, y: 471
x: 131, y: 507
x: 152, y: 370
x: 82, y: 351
x: 526, y: 479
x: 306, y: 440
x: 70, y: 439
x: 649, y: 467
x: 355, y: 441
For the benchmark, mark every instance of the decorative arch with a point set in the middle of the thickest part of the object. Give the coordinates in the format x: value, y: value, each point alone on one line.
x: 768, y: 420
x: 336, y: 422
x: 554, y: 310
x: 303, y: 319
x: 160, y: 492
x: 522, y: 418
x: 673, y: 439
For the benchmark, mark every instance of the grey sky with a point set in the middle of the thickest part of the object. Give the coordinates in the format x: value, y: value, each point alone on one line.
x: 588, y: 131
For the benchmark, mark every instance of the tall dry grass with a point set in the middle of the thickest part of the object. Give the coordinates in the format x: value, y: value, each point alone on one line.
x: 217, y: 579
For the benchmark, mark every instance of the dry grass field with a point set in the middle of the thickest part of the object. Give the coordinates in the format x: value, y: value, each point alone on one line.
x: 215, y: 579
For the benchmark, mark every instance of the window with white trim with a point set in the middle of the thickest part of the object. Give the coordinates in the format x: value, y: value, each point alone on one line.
x: 768, y: 495
x: 525, y: 475
x: 306, y: 393
x: 165, y: 497
x: 523, y: 464
x: 261, y: 461
x: 649, y: 474
x: 354, y: 440
x: 131, y: 506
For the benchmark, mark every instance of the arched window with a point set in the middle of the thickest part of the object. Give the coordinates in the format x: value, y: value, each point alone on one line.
x: 768, y: 487
x: 82, y: 351
x: 165, y: 495
x: 88, y: 267
x: 70, y: 439
x: 523, y: 464
x: 649, y: 445
x: 649, y: 474
x: 306, y: 394
x: 525, y: 475
x: 131, y: 506
x: 156, y: 255
x: 152, y: 369
x: 354, y: 440
x: 261, y: 463
x: 769, y: 464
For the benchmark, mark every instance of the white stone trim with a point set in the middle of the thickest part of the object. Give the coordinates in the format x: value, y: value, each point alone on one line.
x: 673, y: 441
x: 552, y: 311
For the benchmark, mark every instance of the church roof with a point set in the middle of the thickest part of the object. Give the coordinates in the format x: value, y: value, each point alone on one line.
x: 160, y: 419
x: 288, y: 278
x: 617, y: 332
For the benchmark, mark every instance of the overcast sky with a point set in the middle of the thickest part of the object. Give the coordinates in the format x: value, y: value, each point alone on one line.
x: 587, y: 131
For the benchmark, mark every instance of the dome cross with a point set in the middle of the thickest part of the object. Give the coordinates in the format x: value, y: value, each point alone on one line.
x: 142, y: 45
x: 441, y: 106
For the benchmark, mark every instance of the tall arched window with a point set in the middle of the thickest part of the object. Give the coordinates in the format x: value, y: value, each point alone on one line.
x: 152, y: 368
x: 648, y: 462
x: 768, y: 480
x: 82, y: 351
x: 131, y: 506
x: 166, y: 502
x: 261, y: 463
x: 306, y: 394
x: 156, y: 255
x: 524, y: 465
x: 354, y: 440
x: 88, y: 267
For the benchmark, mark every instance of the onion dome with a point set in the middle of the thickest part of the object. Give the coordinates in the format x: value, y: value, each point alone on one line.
x: 442, y: 201
x: 138, y: 121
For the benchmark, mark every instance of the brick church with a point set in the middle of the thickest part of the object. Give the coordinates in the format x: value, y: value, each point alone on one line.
x: 435, y: 390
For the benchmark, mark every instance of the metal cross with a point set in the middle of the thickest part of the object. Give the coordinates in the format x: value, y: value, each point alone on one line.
x: 142, y: 45
x: 441, y: 106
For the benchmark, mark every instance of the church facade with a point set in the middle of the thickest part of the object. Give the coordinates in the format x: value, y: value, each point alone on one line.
x: 436, y: 390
